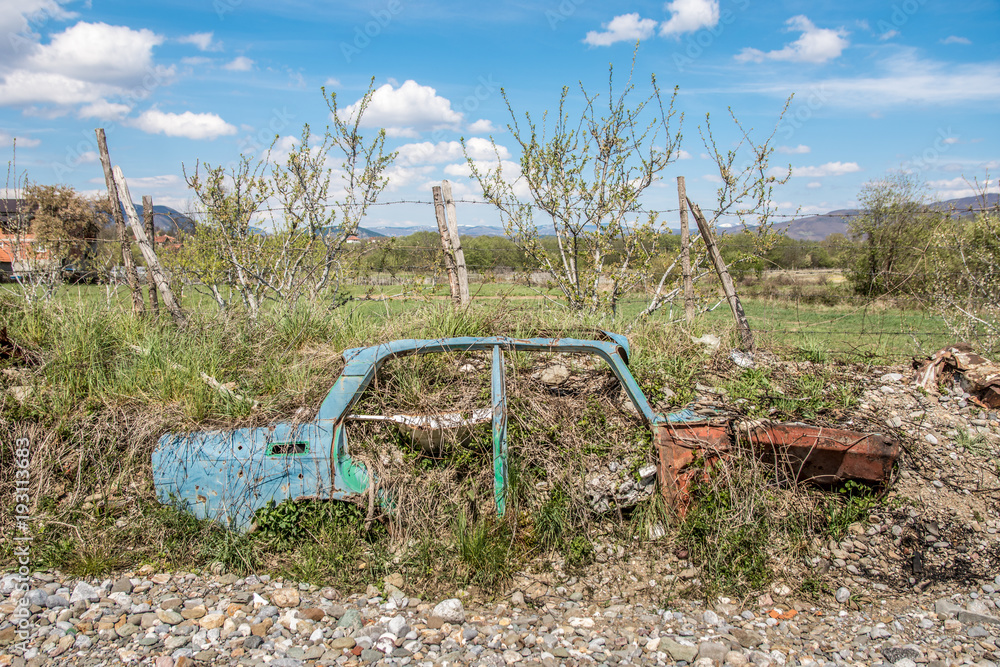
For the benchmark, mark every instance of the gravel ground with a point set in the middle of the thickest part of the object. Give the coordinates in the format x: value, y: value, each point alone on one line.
x: 171, y: 620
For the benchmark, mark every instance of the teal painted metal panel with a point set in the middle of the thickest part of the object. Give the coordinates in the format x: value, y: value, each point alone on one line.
x: 498, y: 391
x: 228, y: 475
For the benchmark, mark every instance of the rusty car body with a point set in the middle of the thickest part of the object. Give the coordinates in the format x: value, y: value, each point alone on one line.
x: 227, y: 475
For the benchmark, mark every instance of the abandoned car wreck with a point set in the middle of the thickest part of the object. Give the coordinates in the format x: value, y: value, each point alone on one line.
x: 228, y: 475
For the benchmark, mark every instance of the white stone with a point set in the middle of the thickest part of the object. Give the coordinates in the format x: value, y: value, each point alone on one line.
x: 83, y: 592
x: 397, y: 626
x: 450, y: 611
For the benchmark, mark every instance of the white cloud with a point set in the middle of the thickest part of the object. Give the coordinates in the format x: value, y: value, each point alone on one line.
x: 196, y: 60
x: 17, y: 17
x: 828, y: 169
x: 712, y: 178
x: 448, y: 151
x: 801, y: 149
x: 331, y: 82
x: 950, y: 140
x: 7, y: 139
x: 400, y: 176
x: 690, y: 15
x: 904, y: 79
x: 104, y: 110
x: 406, y: 110
x: 969, y: 165
x: 283, y: 146
x: 955, y: 39
x: 815, y: 185
x: 202, y: 40
x: 683, y: 155
x: 85, y: 64
x: 888, y: 34
x: 98, y: 52
x: 462, y: 168
x: 148, y: 182
x: 509, y: 170
x: 187, y: 124
x: 815, y: 45
x: 953, y: 188
x: 624, y: 28
x: 239, y: 64
x: 461, y: 189
x: 482, y: 126
x: 24, y: 87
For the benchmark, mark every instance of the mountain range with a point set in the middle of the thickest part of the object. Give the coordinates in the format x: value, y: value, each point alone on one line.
x: 808, y: 228
x: 818, y: 227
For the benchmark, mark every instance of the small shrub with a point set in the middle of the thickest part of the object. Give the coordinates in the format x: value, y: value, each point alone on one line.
x: 854, y: 503
x: 486, y: 550
x: 579, y: 551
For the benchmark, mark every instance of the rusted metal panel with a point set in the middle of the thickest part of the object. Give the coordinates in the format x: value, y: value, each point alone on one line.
x: 679, y: 445
x: 825, y: 455
x: 977, y: 375
x: 802, y: 453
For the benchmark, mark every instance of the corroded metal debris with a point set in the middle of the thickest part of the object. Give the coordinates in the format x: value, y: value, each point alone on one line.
x: 798, y: 452
x: 977, y: 375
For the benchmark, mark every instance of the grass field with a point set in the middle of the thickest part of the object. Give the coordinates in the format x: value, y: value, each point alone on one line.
x: 808, y: 311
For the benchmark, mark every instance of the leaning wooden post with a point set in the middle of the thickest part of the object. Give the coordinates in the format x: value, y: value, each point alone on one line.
x: 152, y: 263
x: 449, y: 255
x: 116, y: 213
x: 456, y: 243
x: 147, y: 215
x: 742, y: 325
x: 685, y: 252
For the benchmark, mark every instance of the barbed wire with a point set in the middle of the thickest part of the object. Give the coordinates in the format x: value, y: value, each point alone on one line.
x: 641, y: 210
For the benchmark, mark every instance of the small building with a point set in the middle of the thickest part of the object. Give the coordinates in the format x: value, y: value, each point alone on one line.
x: 20, y: 254
x: 8, y: 209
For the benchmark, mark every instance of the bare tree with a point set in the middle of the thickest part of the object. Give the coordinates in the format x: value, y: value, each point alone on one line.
x: 298, y: 256
x: 745, y: 193
x: 585, y: 180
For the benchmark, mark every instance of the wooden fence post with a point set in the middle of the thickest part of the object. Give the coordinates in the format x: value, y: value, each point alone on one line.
x: 147, y: 215
x: 152, y: 263
x: 456, y: 243
x: 116, y: 213
x: 449, y: 256
x: 685, y: 252
x: 742, y: 325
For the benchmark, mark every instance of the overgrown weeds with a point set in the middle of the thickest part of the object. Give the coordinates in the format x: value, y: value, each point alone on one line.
x: 108, y: 385
x: 742, y: 528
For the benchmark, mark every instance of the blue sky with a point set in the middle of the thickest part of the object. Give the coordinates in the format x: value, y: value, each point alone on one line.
x: 910, y: 84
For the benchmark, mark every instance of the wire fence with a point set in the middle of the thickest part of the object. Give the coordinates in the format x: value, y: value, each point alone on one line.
x: 813, y: 311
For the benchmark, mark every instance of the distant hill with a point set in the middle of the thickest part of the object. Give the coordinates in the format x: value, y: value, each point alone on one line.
x: 818, y: 227
x: 166, y: 220
x: 169, y: 221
